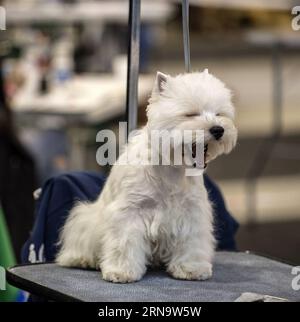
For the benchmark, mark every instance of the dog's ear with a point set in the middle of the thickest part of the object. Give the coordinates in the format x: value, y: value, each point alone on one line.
x: 161, y: 79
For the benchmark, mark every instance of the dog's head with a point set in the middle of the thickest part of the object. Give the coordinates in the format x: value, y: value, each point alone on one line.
x: 194, y: 101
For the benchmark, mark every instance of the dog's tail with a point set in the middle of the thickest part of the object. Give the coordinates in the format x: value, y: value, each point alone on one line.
x: 76, y: 237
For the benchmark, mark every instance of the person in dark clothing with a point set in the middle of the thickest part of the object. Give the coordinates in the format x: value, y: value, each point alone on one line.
x: 17, y: 178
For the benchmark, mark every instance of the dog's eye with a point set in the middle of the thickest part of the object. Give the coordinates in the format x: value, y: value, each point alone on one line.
x: 192, y: 114
x: 218, y: 114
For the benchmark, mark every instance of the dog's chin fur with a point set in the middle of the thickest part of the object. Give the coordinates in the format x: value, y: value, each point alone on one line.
x: 149, y: 215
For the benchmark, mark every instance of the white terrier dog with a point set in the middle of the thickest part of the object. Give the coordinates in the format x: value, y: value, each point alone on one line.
x: 155, y: 214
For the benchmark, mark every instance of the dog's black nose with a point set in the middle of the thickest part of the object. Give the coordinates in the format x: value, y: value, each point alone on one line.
x: 217, y: 132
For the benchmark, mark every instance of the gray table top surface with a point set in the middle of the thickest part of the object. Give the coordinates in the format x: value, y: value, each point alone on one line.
x: 234, y: 274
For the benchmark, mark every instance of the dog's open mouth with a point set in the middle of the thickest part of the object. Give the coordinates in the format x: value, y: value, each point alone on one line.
x: 205, y: 154
x: 194, y: 150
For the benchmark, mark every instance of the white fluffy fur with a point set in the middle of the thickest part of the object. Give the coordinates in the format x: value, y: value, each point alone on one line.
x: 155, y: 214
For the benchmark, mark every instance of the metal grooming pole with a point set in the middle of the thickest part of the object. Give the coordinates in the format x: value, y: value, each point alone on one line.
x: 186, y: 35
x: 134, y: 23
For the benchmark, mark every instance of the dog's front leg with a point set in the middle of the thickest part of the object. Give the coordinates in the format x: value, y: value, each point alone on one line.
x: 124, y: 251
x: 192, y: 258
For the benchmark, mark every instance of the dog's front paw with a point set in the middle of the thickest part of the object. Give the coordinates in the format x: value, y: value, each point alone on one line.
x: 201, y: 271
x: 121, y: 276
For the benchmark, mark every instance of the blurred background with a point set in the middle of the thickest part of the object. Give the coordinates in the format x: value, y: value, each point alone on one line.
x: 63, y: 78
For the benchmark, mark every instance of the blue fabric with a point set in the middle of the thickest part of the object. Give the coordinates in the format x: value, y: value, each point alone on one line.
x: 61, y: 192
x: 58, y: 197
x: 225, y: 225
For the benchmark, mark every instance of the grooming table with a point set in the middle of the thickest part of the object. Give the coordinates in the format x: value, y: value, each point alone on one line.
x: 234, y: 274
